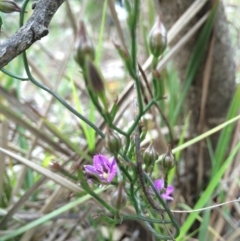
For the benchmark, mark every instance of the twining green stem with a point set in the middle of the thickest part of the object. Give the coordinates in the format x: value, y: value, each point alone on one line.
x: 13, y: 75
x: 34, y: 81
x: 150, y: 228
x: 127, y: 144
x: 133, y: 33
x: 62, y: 101
x: 158, y: 196
x: 118, y: 129
x: 135, y: 123
x: 141, y: 175
x: 138, y: 117
x: 97, y: 197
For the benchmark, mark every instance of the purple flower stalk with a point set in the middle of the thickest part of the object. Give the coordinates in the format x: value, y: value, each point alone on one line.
x: 159, y: 185
x: 103, y: 168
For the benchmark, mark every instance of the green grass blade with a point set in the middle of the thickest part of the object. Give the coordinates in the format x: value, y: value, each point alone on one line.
x: 100, y: 37
x: 203, y: 230
x: 178, y: 153
x: 206, y: 195
x: 86, y: 130
x: 226, y: 134
x: 204, y: 135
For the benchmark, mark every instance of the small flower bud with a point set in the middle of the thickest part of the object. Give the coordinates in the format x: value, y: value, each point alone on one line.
x: 119, y: 198
x: 94, y: 78
x: 158, y: 38
x: 112, y: 141
x: 9, y: 6
x: 150, y: 155
x: 83, y: 46
x: 168, y: 161
x: 54, y: 166
x: 121, y: 51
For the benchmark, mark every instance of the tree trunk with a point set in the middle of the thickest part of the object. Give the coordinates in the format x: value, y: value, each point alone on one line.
x: 219, y: 91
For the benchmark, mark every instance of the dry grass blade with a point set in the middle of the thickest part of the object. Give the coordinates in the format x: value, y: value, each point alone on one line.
x: 40, y: 126
x: 117, y: 23
x: 43, y: 136
x: 176, y: 48
x: 13, y: 101
x: 48, y: 205
x: 45, y: 172
x: 205, y: 86
x: 188, y: 15
x: 124, y: 95
x: 21, y: 202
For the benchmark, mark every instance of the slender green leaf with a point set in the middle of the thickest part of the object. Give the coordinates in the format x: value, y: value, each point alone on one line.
x: 226, y: 133
x: 207, y: 193
x: 101, y: 34
x: 86, y: 130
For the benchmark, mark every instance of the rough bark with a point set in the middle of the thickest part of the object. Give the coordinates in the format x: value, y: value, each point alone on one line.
x: 220, y: 90
x: 34, y: 29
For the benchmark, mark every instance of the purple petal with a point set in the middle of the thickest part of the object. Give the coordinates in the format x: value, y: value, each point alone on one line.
x: 113, y: 169
x: 169, y: 190
x: 112, y: 175
x: 159, y: 184
x: 166, y: 197
x: 100, y: 162
x: 91, y: 169
x: 113, y: 165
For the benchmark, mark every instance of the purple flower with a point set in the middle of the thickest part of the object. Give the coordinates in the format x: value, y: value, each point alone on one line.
x: 159, y: 185
x: 103, y: 168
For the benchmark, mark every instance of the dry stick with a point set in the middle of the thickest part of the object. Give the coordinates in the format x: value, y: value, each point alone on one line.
x: 117, y: 24
x: 206, y: 79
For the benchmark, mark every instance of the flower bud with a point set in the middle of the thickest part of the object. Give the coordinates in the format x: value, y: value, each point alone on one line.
x: 168, y: 161
x: 94, y: 78
x: 119, y: 198
x: 158, y: 38
x: 9, y: 6
x: 150, y: 155
x: 112, y: 141
x: 54, y: 166
x: 83, y: 46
